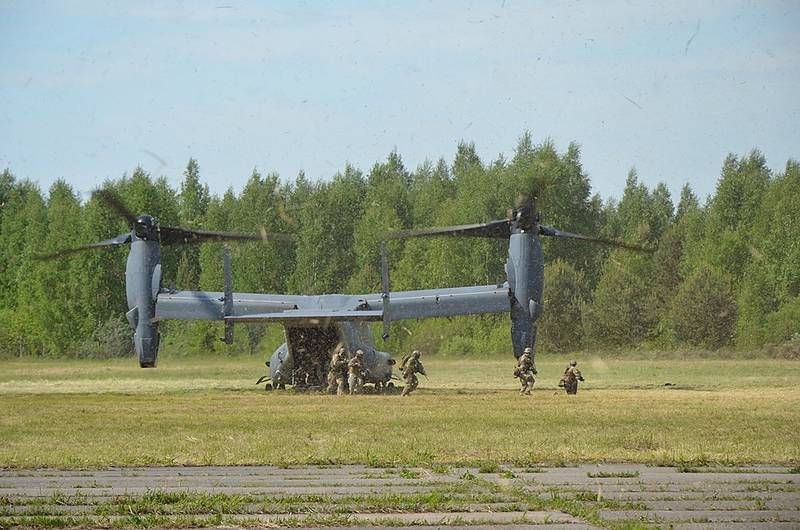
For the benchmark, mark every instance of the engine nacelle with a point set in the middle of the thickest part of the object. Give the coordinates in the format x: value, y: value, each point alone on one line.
x: 525, y: 271
x: 142, y: 283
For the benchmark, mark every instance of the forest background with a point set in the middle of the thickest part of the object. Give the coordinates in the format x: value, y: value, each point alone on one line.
x: 725, y: 275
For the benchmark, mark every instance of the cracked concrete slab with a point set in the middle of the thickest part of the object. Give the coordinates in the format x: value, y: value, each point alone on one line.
x: 512, y: 497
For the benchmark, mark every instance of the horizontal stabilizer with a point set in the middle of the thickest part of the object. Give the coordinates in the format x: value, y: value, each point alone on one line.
x: 309, y: 317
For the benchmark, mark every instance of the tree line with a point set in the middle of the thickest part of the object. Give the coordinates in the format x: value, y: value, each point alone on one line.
x: 726, y: 272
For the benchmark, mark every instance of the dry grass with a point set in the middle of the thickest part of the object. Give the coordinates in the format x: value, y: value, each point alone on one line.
x: 91, y: 413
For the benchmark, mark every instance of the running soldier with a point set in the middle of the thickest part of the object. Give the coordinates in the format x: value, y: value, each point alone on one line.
x: 410, y: 367
x: 337, y: 373
x: 525, y: 371
x: 355, y: 371
x: 571, y: 377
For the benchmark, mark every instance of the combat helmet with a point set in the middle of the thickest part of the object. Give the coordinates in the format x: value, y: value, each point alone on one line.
x: 416, y: 354
x: 573, y: 362
x: 359, y: 353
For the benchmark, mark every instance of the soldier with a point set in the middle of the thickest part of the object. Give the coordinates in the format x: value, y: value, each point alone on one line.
x: 355, y: 371
x: 337, y: 372
x: 410, y: 367
x: 316, y: 375
x: 525, y: 371
x: 300, y: 373
x: 571, y: 377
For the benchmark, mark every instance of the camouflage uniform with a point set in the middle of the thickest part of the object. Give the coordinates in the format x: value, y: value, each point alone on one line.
x: 316, y: 376
x: 337, y: 373
x: 571, y: 377
x: 410, y: 367
x: 300, y: 373
x: 355, y: 370
x: 525, y: 371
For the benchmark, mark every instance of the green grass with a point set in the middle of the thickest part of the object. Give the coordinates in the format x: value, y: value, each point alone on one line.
x: 488, y: 467
x: 75, y: 414
x: 409, y: 473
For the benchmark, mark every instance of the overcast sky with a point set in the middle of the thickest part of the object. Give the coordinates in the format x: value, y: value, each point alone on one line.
x: 90, y: 90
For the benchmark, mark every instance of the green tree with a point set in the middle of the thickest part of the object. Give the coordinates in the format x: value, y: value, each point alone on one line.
x: 771, y: 278
x: 256, y: 266
x: 218, y: 217
x: 194, y: 199
x: 385, y: 208
x: 688, y: 202
x: 13, y: 222
x: 565, y: 293
x: 565, y: 200
x: 101, y: 269
x: 22, y: 232
x: 641, y: 216
x: 705, y: 310
x: 618, y: 313
x: 58, y: 288
x: 732, y: 214
x: 432, y: 188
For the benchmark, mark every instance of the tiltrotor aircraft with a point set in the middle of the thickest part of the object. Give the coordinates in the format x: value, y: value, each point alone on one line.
x: 316, y: 325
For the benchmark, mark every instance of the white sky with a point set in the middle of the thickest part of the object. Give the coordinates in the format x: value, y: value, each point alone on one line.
x: 89, y: 90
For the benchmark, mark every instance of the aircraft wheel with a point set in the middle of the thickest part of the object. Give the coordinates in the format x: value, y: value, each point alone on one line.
x: 268, y: 387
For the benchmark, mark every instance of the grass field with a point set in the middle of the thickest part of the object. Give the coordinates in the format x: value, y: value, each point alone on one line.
x: 73, y: 414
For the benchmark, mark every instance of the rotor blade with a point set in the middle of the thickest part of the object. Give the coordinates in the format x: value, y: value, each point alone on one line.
x: 554, y: 232
x: 113, y: 201
x: 119, y: 240
x: 499, y: 229
x: 184, y: 236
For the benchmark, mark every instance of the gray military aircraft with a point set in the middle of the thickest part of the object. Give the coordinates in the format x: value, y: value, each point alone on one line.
x: 316, y: 325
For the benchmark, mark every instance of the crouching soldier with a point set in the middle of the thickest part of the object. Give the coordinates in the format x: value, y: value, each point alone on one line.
x: 411, y: 366
x: 337, y: 372
x: 571, y: 377
x: 525, y: 371
x: 355, y: 373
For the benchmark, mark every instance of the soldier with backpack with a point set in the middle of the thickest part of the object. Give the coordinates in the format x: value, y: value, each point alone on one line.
x: 525, y: 371
x: 355, y: 373
x: 337, y: 372
x: 571, y: 377
x: 410, y: 367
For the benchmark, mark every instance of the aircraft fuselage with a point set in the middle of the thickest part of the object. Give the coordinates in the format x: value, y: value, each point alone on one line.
x: 304, y: 358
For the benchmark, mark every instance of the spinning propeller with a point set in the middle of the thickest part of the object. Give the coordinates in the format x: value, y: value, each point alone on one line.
x: 147, y: 228
x: 524, y: 218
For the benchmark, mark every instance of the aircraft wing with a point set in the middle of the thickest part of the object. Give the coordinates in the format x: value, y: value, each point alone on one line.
x: 316, y: 310
x: 309, y: 317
